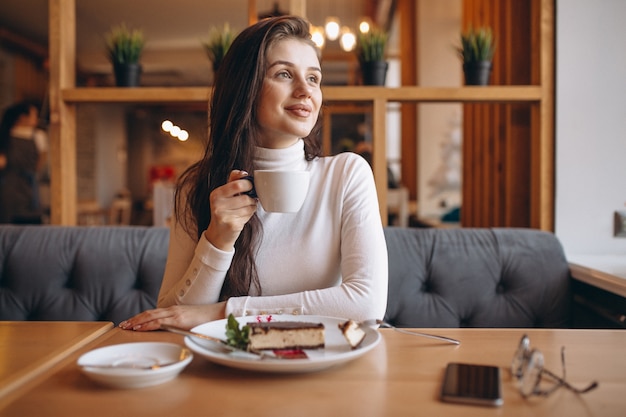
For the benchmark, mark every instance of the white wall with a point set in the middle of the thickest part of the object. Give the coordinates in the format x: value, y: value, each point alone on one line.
x: 590, y: 124
x: 101, y: 158
x: 112, y: 153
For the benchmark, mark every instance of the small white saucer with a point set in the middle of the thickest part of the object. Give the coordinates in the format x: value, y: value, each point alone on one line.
x: 135, y: 365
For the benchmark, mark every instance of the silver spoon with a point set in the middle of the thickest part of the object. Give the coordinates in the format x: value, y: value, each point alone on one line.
x: 129, y: 366
x: 382, y: 323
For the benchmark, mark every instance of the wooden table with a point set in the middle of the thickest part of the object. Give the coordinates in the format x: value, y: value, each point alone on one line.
x: 28, y: 349
x: 607, y: 272
x: 400, y: 377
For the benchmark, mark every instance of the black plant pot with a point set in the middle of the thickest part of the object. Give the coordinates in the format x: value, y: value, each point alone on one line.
x: 477, y: 73
x: 374, y: 72
x: 127, y: 75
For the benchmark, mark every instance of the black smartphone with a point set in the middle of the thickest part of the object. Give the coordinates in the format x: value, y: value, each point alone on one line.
x: 472, y: 384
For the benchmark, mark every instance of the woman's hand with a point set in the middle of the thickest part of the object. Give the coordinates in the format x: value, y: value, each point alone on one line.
x: 184, y: 316
x: 230, y: 211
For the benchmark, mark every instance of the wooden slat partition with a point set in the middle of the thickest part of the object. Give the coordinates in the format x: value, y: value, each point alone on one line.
x: 507, y: 158
x: 30, y: 79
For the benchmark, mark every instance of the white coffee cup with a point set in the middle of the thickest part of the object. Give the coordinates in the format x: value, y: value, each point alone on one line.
x: 281, y: 191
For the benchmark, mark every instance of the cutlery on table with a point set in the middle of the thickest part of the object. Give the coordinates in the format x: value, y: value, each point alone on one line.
x: 382, y: 323
x: 128, y: 365
x: 220, y: 342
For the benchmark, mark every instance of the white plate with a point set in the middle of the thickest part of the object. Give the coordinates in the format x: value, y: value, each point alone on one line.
x: 135, y: 365
x: 336, y: 350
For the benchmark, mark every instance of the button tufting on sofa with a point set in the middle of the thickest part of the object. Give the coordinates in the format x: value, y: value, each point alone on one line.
x: 79, y: 273
x: 437, y: 277
x: 500, y: 277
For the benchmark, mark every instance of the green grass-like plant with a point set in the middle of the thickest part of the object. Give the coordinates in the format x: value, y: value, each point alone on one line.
x: 124, y: 46
x: 371, y: 45
x: 477, y: 45
x: 218, y: 43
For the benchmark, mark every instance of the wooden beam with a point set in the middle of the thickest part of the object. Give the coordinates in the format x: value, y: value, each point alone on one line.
x: 253, y: 14
x: 407, y: 13
x: 62, y: 114
x: 546, y: 117
x: 379, y: 154
x: 23, y: 44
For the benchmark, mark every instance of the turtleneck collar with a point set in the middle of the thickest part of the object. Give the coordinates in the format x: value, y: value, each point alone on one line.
x: 291, y: 158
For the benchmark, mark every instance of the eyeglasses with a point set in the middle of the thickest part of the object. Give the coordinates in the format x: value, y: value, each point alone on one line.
x: 527, y: 368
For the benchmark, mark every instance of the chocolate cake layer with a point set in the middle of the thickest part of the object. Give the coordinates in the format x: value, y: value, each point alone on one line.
x: 286, y: 335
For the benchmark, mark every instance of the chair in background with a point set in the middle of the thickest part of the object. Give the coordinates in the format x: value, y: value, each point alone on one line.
x: 91, y: 213
x: 120, y: 210
x: 398, y: 205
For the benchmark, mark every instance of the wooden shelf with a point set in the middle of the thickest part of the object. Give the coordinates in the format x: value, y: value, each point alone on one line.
x: 435, y: 94
x: 65, y: 96
x: 163, y: 95
x: 153, y: 95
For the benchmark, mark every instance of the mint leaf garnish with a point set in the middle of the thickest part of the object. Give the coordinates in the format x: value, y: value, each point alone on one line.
x: 235, y: 336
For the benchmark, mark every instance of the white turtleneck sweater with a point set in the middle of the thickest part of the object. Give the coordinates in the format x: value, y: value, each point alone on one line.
x: 329, y: 258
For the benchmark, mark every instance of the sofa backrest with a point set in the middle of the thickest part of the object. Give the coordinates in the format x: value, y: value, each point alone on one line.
x: 477, y: 278
x: 80, y: 273
x: 437, y: 277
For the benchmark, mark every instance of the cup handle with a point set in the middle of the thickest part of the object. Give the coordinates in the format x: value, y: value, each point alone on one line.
x: 252, y: 192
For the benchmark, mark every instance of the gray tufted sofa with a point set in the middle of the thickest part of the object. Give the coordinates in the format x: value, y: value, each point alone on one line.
x: 437, y: 277
x: 477, y: 278
x: 79, y: 273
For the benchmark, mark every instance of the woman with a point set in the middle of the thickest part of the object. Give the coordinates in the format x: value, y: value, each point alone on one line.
x: 226, y: 254
x: 23, y: 150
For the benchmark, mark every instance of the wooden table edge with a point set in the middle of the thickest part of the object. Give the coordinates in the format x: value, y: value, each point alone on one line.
x: 31, y: 375
x: 599, y: 279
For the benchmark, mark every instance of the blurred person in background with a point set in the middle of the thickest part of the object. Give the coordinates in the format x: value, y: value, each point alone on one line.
x: 23, y: 153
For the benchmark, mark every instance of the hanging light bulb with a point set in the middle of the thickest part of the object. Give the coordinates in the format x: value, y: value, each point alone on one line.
x: 166, y: 125
x: 317, y: 35
x: 347, y: 40
x: 174, y: 131
x: 332, y: 28
x: 183, y: 135
x: 364, y: 26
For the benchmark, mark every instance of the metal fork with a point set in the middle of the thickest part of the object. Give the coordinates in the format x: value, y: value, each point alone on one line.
x: 242, y: 352
x: 382, y: 323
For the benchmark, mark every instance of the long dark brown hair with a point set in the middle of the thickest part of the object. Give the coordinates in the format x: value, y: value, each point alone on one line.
x: 233, y: 133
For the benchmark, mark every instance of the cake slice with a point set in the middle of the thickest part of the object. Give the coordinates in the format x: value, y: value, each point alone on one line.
x: 352, y: 332
x: 280, y: 335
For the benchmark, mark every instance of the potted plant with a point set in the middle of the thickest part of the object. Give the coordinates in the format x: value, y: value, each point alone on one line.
x: 476, y: 51
x: 218, y: 43
x: 124, y: 47
x: 370, y: 51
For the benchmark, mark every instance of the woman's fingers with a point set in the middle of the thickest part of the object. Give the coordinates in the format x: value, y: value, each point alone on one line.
x: 237, y: 183
x: 231, y: 209
x: 184, y: 316
x: 230, y: 197
x: 153, y: 319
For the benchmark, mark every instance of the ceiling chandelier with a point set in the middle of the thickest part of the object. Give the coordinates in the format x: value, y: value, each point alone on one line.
x: 334, y: 31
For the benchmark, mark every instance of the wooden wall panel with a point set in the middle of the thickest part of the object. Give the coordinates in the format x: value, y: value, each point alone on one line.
x: 31, y: 80
x: 497, y: 138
